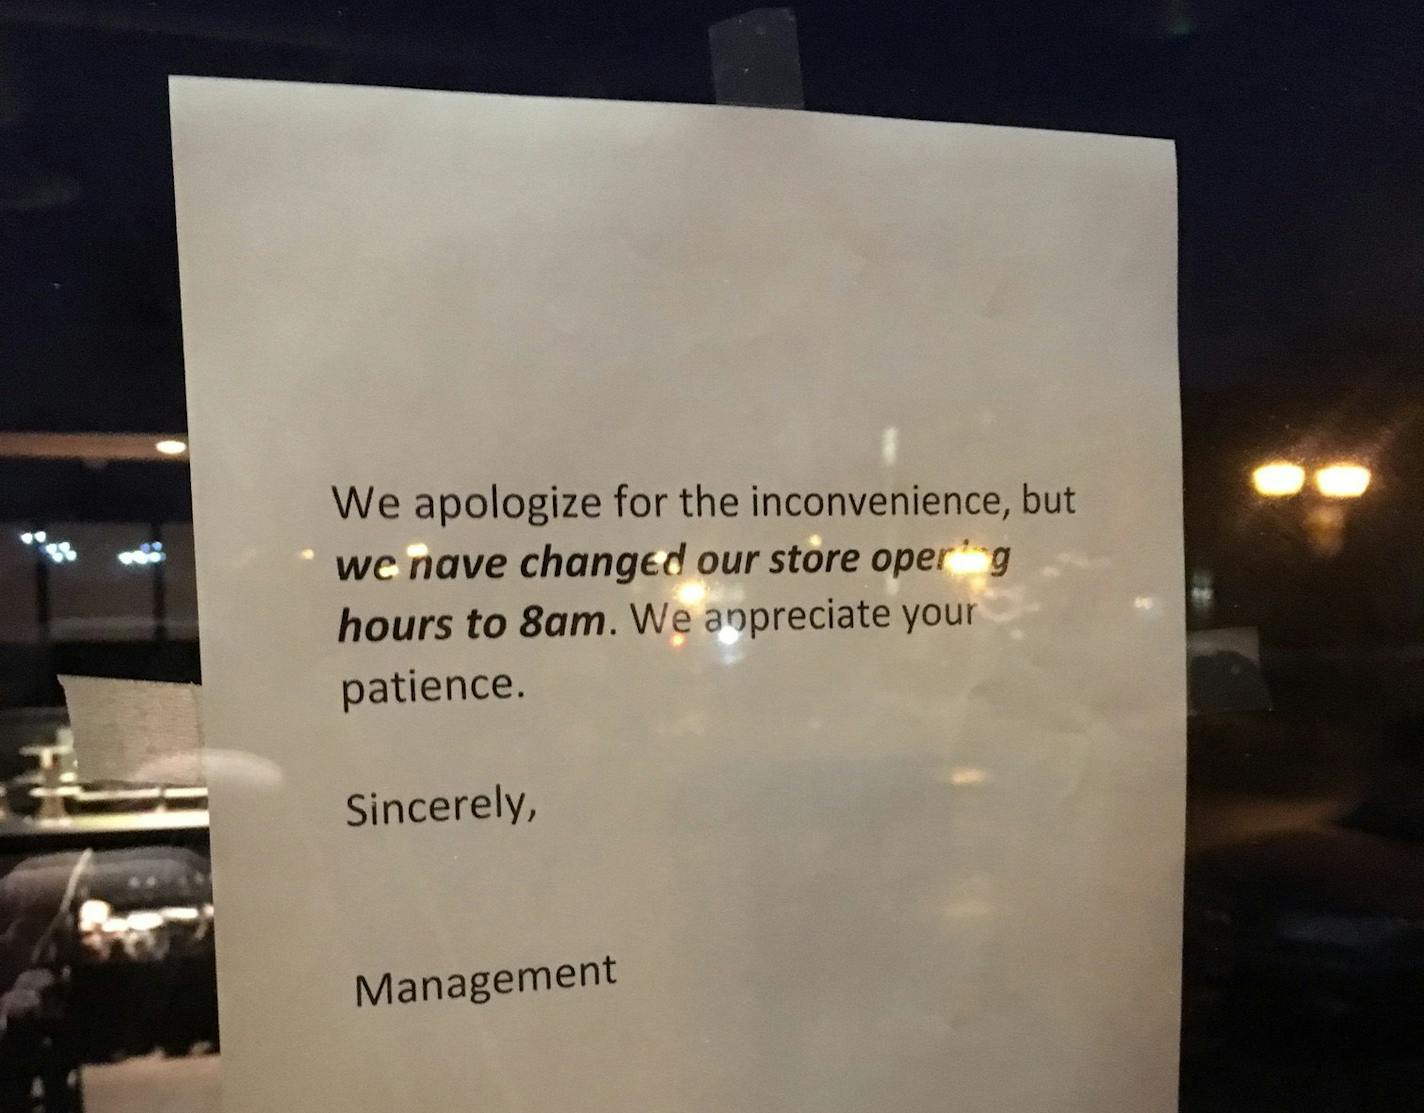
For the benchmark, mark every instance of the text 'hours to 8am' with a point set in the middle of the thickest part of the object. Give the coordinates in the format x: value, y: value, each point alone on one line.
x: 535, y: 621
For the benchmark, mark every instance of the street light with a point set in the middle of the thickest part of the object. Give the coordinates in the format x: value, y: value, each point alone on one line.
x: 1278, y: 479
x: 1342, y: 481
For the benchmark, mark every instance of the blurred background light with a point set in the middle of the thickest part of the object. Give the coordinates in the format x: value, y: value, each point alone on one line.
x: 1342, y: 481
x: 1278, y: 479
x: 150, y: 552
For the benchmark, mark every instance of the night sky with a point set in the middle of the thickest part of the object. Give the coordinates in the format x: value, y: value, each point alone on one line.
x: 1300, y: 131
x: 1300, y: 136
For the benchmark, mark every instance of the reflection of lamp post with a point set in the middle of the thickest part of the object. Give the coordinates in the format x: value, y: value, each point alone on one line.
x: 1325, y: 522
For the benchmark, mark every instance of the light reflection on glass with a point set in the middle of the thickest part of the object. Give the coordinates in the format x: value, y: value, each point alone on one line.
x: 1203, y: 590
x: 967, y: 562
x: 1325, y: 526
x: 890, y: 445
x: 999, y: 604
x: 691, y: 593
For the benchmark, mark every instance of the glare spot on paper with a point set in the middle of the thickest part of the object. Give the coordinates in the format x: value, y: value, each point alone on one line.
x: 690, y: 593
x: 967, y: 562
x: 969, y: 908
x: 890, y: 445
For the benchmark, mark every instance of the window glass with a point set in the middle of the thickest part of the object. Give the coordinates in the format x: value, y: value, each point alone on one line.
x: 1301, y: 164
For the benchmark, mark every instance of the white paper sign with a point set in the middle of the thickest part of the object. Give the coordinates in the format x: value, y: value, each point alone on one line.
x: 691, y: 605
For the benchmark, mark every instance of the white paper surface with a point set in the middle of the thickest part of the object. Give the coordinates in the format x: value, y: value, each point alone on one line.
x: 858, y: 869
x: 135, y: 730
